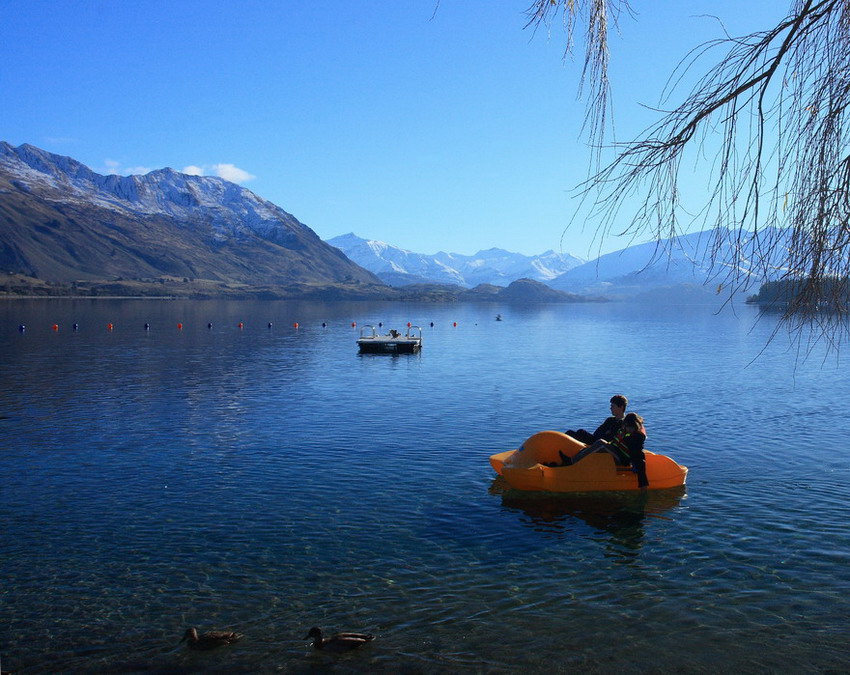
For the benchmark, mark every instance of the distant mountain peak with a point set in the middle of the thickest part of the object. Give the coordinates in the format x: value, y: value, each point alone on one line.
x: 494, y: 266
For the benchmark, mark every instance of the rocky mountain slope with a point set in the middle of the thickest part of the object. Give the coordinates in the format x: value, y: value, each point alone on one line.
x: 62, y: 222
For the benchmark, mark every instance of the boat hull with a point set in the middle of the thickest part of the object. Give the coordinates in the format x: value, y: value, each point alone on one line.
x: 525, y: 468
x: 378, y: 346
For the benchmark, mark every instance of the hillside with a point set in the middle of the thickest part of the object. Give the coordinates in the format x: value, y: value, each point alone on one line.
x: 62, y: 223
x: 522, y: 291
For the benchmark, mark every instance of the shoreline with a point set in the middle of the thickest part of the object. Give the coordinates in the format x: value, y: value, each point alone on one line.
x: 91, y: 297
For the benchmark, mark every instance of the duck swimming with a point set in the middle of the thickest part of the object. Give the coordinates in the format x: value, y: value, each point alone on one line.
x: 210, y: 639
x: 340, y: 642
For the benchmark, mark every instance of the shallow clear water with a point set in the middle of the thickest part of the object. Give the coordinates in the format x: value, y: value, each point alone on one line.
x: 270, y: 479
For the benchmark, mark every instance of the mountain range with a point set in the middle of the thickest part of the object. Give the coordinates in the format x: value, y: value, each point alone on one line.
x: 398, y: 267
x: 63, y: 223
x: 674, y: 270
x: 67, y: 230
x: 64, y: 226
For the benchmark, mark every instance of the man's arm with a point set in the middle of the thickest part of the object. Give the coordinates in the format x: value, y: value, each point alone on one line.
x: 607, y: 430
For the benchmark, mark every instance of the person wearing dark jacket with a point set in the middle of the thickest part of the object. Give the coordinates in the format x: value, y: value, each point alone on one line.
x: 626, y: 448
x: 609, y: 428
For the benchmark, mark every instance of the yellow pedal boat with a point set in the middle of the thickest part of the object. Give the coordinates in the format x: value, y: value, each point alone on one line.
x: 525, y: 468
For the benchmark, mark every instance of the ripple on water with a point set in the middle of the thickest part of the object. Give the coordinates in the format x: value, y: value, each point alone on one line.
x: 267, y: 481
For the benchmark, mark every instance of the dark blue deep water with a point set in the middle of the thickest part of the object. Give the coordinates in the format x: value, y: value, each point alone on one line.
x: 270, y: 479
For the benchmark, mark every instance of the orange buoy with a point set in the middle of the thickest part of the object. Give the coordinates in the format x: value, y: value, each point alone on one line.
x: 241, y: 325
x: 55, y: 326
x: 454, y: 323
x: 408, y: 324
x: 295, y: 324
x: 179, y: 326
x: 353, y: 324
x: 109, y: 326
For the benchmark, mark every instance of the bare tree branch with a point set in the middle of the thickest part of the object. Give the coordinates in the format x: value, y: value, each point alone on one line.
x: 600, y: 16
x: 769, y: 130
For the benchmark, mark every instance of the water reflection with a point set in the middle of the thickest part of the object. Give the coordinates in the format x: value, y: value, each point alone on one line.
x: 354, y: 493
x: 622, y: 517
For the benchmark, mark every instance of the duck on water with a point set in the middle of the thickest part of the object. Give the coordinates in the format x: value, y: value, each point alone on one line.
x: 340, y: 642
x: 210, y: 639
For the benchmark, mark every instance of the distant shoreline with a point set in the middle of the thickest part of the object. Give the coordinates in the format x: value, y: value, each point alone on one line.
x: 520, y: 291
x: 90, y: 297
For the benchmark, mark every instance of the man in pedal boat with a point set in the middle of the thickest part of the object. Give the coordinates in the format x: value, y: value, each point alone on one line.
x: 609, y: 429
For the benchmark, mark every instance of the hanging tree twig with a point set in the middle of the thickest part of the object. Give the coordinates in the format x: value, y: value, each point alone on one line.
x: 773, y: 110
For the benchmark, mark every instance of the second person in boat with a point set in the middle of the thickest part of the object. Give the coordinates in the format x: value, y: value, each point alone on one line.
x: 626, y: 448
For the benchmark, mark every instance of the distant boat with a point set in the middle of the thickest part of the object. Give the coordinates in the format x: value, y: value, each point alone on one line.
x: 498, y: 317
x: 391, y: 343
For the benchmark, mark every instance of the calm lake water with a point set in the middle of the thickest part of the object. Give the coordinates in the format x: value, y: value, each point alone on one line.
x: 270, y: 479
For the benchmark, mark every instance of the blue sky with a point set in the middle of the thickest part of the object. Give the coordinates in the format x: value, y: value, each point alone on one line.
x: 428, y: 124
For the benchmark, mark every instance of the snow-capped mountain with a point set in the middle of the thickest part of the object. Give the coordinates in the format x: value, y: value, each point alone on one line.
x: 495, y: 266
x: 60, y: 221
x: 227, y: 207
x: 380, y: 258
x: 683, y: 261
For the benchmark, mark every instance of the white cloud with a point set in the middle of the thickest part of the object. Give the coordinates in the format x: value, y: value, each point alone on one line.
x: 113, y: 167
x: 61, y: 140
x: 229, y: 172
x: 232, y: 173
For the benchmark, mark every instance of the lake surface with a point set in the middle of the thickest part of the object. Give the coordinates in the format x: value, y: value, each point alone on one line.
x: 268, y: 479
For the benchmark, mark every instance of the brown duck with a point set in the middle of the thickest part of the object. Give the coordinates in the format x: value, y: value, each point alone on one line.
x: 340, y: 642
x: 210, y: 639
